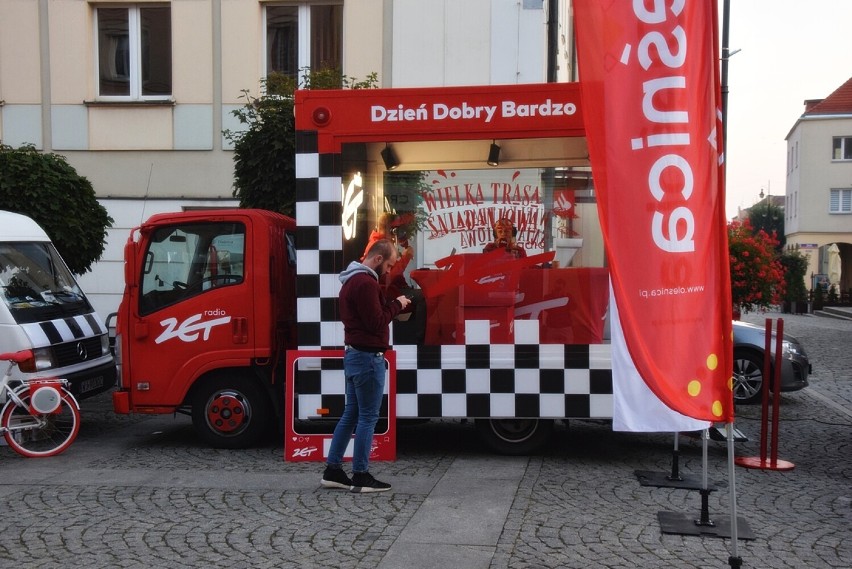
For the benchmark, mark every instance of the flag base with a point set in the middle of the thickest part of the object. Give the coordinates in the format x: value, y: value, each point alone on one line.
x: 764, y: 464
x: 666, y: 480
x: 684, y: 524
x: 720, y: 435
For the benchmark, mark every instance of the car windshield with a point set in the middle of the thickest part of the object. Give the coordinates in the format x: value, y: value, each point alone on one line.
x: 36, y: 285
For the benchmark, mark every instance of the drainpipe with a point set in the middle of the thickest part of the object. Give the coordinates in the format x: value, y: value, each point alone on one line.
x: 552, y: 38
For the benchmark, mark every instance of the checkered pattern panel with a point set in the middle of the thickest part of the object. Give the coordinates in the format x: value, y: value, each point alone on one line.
x: 320, y: 387
x: 318, y: 244
x: 479, y: 379
x: 436, y: 381
x: 519, y: 380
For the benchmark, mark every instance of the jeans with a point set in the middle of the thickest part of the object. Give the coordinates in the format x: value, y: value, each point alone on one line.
x: 365, y: 385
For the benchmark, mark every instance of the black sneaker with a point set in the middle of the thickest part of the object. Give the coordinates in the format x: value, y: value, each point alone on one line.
x: 335, y: 478
x: 364, y: 482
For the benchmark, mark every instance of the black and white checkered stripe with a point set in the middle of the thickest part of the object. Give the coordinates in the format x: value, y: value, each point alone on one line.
x: 61, y: 330
x: 521, y: 380
x: 524, y: 379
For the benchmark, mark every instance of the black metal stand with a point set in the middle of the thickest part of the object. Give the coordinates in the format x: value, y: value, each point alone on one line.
x: 684, y: 524
x: 673, y: 480
x: 677, y: 523
x: 705, y: 520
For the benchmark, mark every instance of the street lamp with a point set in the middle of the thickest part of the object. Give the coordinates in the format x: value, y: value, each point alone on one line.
x: 766, y: 213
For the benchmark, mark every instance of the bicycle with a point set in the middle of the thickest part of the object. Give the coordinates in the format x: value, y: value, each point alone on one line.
x: 40, y: 416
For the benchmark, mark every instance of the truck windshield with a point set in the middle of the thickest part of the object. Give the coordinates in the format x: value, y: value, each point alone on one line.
x: 36, y: 285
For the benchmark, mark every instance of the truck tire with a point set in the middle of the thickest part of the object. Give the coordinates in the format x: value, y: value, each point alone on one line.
x: 230, y: 411
x: 514, y: 437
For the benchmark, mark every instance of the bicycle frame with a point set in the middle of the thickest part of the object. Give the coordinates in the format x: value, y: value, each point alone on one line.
x: 41, y: 406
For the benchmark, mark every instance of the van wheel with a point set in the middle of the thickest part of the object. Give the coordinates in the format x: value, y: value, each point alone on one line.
x: 230, y: 411
x: 514, y: 436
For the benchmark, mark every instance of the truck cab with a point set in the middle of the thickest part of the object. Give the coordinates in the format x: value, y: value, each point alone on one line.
x: 208, y: 309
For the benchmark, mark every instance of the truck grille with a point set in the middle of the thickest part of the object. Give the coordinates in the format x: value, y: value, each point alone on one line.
x: 70, y: 353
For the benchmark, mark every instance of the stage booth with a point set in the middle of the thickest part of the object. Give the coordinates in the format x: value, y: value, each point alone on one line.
x: 498, y: 334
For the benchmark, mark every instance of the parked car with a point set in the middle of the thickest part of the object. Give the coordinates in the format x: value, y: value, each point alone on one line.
x: 749, y: 343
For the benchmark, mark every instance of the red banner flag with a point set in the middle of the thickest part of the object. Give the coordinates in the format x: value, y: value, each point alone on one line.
x: 652, y: 110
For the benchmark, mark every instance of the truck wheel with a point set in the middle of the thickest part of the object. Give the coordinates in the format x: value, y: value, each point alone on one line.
x: 230, y: 412
x: 514, y: 436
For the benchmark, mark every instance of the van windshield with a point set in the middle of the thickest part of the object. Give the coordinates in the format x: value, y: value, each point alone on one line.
x: 36, y: 285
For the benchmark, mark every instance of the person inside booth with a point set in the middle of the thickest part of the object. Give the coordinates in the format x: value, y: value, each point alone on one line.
x: 391, y: 226
x: 505, y: 234
x: 386, y: 228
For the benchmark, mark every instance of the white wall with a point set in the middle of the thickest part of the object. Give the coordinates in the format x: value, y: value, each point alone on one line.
x: 475, y: 42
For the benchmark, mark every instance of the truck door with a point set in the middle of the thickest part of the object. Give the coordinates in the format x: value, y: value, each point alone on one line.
x: 193, y: 308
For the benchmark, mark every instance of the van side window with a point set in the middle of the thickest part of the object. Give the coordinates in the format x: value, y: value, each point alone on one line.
x: 187, y: 260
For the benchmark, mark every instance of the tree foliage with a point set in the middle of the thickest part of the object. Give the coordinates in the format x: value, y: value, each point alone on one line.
x: 46, y: 188
x: 265, y: 152
x: 769, y: 218
x: 795, y: 268
x: 757, y: 276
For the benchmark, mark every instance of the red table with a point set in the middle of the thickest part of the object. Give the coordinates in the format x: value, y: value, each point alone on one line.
x: 570, y: 304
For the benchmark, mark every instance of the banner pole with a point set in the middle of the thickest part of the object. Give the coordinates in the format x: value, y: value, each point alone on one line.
x: 734, y: 560
x: 704, y: 519
x: 675, y: 475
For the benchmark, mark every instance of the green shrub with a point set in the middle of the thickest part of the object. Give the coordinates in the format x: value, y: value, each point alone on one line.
x: 46, y: 188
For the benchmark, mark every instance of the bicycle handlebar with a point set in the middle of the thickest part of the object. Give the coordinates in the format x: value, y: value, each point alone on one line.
x: 17, y: 357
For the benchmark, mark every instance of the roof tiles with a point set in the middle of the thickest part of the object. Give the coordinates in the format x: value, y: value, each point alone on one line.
x: 838, y: 103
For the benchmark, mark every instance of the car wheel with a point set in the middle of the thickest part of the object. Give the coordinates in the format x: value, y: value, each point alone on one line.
x: 514, y: 436
x: 748, y: 377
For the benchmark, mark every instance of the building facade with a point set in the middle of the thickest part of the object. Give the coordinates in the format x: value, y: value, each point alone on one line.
x: 818, y: 208
x: 137, y: 94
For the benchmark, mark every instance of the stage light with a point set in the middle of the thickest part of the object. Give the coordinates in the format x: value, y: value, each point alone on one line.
x: 389, y: 157
x: 494, y: 155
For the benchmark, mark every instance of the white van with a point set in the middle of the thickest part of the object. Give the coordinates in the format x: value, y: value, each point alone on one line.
x: 43, y: 309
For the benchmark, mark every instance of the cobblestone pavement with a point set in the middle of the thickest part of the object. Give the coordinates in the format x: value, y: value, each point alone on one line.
x: 143, y: 492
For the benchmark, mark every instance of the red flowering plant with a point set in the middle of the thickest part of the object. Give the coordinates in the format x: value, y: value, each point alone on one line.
x: 757, y: 275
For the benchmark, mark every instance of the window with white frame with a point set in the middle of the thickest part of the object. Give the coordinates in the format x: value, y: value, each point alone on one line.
x: 842, y: 148
x: 303, y: 34
x: 134, y: 46
x: 840, y: 201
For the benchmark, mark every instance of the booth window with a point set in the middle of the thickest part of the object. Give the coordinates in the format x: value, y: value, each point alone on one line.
x: 492, y: 245
x: 134, y: 46
x: 300, y: 35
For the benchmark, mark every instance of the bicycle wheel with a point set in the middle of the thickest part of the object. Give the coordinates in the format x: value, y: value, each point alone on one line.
x: 40, y: 435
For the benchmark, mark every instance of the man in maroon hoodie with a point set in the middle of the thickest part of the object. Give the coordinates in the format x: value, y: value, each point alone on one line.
x: 366, y: 315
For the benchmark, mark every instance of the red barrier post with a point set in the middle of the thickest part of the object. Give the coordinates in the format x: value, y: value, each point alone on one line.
x: 770, y: 373
x: 764, y: 389
x: 776, y: 392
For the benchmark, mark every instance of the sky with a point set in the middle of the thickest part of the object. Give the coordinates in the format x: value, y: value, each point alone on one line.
x: 790, y: 51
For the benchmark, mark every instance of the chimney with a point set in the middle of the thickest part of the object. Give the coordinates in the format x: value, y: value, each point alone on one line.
x: 811, y: 103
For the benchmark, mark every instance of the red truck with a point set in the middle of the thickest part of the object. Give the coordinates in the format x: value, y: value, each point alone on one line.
x: 207, y: 315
